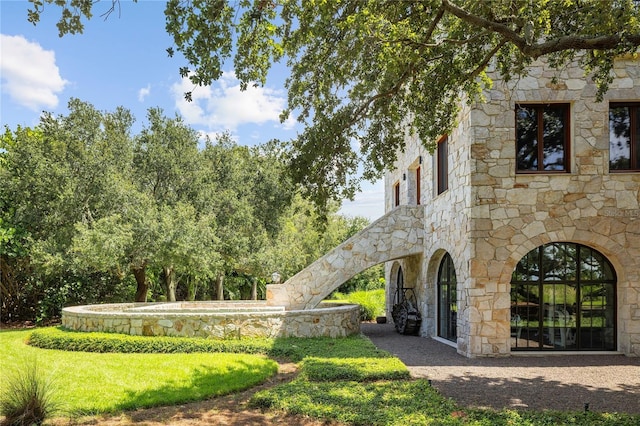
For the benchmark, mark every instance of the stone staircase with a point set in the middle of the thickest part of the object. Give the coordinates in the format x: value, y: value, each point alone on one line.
x: 397, y: 234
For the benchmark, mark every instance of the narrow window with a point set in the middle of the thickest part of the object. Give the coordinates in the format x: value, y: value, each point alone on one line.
x: 542, y: 137
x: 443, y: 166
x: 396, y: 194
x: 624, y: 137
x: 418, y: 186
x: 447, y: 300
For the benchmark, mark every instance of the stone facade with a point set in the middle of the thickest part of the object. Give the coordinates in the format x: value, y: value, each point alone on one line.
x: 490, y: 216
x: 221, y: 320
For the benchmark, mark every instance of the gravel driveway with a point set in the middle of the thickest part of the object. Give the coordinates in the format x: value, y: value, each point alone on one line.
x: 608, y: 383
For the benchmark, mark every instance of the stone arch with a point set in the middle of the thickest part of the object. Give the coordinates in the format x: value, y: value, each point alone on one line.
x: 430, y: 308
x: 610, y: 248
x: 396, y: 235
x: 587, y: 232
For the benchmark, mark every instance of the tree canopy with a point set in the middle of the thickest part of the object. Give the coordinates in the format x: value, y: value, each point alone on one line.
x: 91, y: 213
x: 366, y: 72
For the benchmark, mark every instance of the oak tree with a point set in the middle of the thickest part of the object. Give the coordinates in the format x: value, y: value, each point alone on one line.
x: 366, y: 72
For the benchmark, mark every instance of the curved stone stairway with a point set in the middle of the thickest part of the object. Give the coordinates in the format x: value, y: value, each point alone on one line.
x: 397, y: 234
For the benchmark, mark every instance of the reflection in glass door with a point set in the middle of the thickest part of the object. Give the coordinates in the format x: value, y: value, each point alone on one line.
x: 447, y: 301
x: 563, y: 298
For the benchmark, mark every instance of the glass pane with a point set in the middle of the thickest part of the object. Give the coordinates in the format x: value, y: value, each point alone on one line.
x: 554, y: 137
x: 447, y: 300
x: 559, y: 319
x: 594, y: 266
x: 559, y: 262
x: 528, y: 268
x: 442, y: 311
x: 572, y: 308
x: 636, y: 142
x: 525, y: 306
x: 527, y: 137
x: 597, y: 317
x: 619, y: 138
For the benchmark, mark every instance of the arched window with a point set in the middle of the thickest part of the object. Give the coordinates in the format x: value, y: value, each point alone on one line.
x: 563, y: 298
x: 447, y: 302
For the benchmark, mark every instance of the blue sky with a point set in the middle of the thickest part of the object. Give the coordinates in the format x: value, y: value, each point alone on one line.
x: 122, y: 61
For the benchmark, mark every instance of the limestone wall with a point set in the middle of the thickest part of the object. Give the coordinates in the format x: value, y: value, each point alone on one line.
x: 446, y: 219
x: 490, y: 217
x: 210, y: 319
x: 514, y: 213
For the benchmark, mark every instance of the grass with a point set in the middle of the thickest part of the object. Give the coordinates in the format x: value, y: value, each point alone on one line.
x: 372, y: 302
x: 91, y: 383
x: 344, y: 380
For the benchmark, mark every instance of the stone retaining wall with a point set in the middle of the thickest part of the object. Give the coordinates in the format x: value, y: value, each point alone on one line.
x: 214, y: 320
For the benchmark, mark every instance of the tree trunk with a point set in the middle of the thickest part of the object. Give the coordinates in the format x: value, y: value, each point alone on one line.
x: 220, y: 287
x: 192, y: 289
x: 170, y: 283
x: 141, y: 280
x: 254, y: 288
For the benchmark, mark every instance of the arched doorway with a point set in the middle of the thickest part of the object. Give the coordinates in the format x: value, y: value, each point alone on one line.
x: 447, y: 300
x: 404, y: 312
x: 563, y: 297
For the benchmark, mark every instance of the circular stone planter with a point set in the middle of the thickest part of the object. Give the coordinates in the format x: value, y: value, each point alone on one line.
x: 218, y: 319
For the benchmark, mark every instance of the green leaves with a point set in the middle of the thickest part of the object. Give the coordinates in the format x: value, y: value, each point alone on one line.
x: 366, y: 72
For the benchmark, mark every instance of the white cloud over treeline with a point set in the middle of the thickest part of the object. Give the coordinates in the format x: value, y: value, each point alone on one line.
x: 225, y: 107
x: 29, y: 73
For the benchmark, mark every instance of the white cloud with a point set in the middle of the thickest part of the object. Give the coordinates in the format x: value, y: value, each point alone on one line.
x: 225, y: 107
x: 144, y: 92
x: 367, y: 203
x: 30, y: 75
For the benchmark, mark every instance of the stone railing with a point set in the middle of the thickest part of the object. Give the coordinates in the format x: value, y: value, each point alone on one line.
x: 397, y: 234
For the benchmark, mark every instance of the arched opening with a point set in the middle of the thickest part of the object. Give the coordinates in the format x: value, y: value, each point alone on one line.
x: 406, y: 317
x: 563, y: 297
x: 447, y: 300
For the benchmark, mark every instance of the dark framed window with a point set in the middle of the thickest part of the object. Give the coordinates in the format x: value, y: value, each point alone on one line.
x: 624, y: 137
x: 442, y: 165
x: 563, y: 297
x: 542, y: 138
x: 418, y: 186
x: 396, y: 194
x: 447, y: 300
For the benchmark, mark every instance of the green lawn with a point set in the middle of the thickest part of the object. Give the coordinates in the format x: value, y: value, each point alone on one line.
x: 344, y: 380
x: 89, y: 383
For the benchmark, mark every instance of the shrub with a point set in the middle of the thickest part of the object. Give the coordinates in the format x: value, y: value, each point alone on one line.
x: 58, y: 338
x: 28, y: 397
x: 371, y: 303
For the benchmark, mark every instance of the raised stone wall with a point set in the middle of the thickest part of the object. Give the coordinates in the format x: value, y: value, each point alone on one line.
x: 221, y: 320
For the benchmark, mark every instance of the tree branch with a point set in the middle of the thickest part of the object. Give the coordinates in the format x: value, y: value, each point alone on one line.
x: 535, y: 50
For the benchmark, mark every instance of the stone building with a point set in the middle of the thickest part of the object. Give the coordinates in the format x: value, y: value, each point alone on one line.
x: 520, y: 232
x: 530, y: 218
